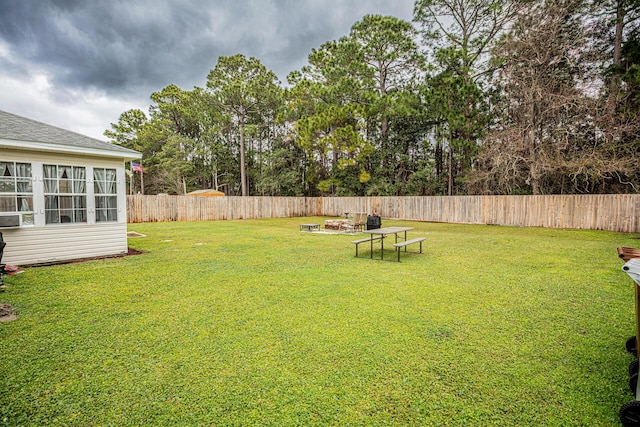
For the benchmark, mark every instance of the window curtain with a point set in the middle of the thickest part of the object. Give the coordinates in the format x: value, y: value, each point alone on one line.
x: 65, y: 172
x: 6, y: 169
x: 107, y: 203
x: 79, y: 180
x: 80, y: 209
x: 50, y: 179
x: 111, y: 181
x: 16, y: 178
x: 112, y: 207
x: 23, y: 181
x: 25, y: 203
x: 105, y: 181
x: 99, y: 181
x: 23, y: 170
x: 24, y: 186
x: 51, y: 210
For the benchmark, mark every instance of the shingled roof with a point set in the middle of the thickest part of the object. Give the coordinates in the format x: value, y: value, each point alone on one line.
x: 21, y: 132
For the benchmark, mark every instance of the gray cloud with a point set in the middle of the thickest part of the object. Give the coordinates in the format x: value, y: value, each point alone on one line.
x: 115, y: 46
x: 129, y: 49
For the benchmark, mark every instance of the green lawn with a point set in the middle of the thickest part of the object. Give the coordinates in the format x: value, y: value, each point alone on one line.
x: 254, y: 323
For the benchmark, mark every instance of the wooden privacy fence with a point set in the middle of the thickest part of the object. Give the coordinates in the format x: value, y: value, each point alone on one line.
x: 190, y: 208
x: 613, y: 212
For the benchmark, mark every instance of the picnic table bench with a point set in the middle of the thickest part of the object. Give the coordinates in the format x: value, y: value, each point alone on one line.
x: 381, y: 233
x: 406, y: 243
x: 368, y: 239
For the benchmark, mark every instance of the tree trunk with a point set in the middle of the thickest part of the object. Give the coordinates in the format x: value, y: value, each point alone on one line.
x: 614, y: 87
x: 451, y: 174
x: 534, y: 175
x: 384, y: 128
x: 439, y: 154
x: 439, y: 159
x: 384, y: 125
x: 243, y: 171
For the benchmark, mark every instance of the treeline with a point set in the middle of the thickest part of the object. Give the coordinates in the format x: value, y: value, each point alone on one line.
x: 472, y: 97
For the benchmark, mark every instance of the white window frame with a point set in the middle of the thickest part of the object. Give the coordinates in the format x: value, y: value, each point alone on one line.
x: 70, y: 191
x: 16, y: 190
x: 105, y: 188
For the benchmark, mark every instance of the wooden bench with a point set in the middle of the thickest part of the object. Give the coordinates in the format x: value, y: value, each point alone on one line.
x: 407, y: 243
x: 368, y: 239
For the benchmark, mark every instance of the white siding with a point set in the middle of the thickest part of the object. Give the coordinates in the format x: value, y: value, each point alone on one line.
x: 34, y: 245
x: 59, y: 242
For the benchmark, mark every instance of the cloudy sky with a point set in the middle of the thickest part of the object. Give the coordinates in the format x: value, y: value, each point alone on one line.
x: 78, y: 64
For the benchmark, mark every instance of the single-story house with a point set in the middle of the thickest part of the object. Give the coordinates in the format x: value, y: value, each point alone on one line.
x: 62, y: 194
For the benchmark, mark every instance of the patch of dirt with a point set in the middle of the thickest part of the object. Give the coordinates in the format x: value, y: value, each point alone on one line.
x: 130, y: 251
x: 6, y: 313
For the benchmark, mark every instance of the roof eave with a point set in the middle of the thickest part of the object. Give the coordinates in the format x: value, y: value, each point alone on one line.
x: 54, y: 148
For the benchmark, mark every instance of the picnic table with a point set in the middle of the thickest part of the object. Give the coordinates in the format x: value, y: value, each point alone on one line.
x: 382, y: 233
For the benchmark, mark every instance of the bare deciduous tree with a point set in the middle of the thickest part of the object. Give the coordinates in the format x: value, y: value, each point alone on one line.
x: 550, y: 139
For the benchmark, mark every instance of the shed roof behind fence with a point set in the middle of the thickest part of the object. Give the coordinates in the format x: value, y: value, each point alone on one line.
x: 206, y: 193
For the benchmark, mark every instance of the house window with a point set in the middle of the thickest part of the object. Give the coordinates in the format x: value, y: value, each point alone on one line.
x: 16, y: 190
x: 65, y: 199
x: 106, y: 194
